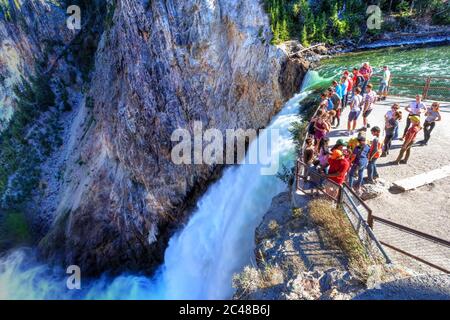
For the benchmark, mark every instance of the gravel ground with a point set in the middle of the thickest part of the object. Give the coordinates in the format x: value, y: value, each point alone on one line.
x: 435, y: 287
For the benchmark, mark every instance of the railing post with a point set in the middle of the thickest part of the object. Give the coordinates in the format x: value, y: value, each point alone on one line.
x: 370, y: 219
x: 340, y: 196
x: 426, y: 88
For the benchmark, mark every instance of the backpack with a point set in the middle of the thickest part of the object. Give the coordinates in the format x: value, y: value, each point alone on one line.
x: 379, y: 150
x: 360, y: 80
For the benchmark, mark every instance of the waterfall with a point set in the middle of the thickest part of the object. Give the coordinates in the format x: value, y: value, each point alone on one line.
x: 313, y: 80
x: 202, y: 257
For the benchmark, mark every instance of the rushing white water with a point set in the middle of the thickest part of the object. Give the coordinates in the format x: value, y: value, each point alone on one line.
x: 201, y: 259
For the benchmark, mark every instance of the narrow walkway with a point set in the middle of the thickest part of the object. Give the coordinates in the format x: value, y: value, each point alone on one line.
x: 426, y: 208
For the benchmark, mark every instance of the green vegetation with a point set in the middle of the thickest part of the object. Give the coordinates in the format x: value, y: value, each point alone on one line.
x: 7, y: 9
x: 340, y: 232
x: 252, y: 279
x: 321, y: 22
x: 30, y: 137
x: 14, y: 228
x: 26, y: 141
x: 298, y: 128
x: 331, y: 20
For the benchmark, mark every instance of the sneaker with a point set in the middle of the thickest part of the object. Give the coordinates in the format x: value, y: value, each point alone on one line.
x: 404, y: 162
x: 368, y: 125
x: 384, y: 155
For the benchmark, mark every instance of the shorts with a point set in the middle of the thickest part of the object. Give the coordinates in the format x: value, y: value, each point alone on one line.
x: 367, y: 113
x: 353, y: 115
x: 383, y: 86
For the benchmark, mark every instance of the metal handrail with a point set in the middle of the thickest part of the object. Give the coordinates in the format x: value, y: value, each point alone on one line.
x: 369, y: 224
x: 413, y: 76
x: 341, y: 189
x: 425, y: 87
x: 413, y: 231
x: 367, y: 227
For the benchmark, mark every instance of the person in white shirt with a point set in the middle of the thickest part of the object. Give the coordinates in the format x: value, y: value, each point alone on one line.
x: 355, y: 111
x: 369, y: 100
x: 389, y: 115
x: 384, y: 84
x: 415, y: 108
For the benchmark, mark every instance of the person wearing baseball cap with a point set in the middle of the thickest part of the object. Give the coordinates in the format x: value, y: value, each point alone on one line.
x: 409, y: 140
x: 360, y: 162
x: 341, y: 143
x: 339, y: 166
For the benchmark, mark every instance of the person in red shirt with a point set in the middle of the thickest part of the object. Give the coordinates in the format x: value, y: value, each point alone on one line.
x: 349, y: 84
x: 349, y: 80
x: 409, y: 139
x: 367, y: 72
x: 358, y: 80
x: 339, y: 166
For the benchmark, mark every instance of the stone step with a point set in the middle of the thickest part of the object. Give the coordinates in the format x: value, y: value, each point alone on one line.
x: 422, y: 179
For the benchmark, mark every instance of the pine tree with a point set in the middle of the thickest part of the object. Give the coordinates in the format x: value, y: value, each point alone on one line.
x: 304, y: 37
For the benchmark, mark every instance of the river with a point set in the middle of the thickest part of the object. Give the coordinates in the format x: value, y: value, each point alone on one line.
x: 217, y: 241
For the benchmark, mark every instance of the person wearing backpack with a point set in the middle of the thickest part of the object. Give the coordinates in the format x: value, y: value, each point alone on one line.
x: 391, y: 127
x: 360, y: 162
x: 369, y: 101
x: 358, y: 79
x: 390, y: 115
x: 355, y: 111
x: 367, y: 72
x: 376, y: 149
x: 336, y: 102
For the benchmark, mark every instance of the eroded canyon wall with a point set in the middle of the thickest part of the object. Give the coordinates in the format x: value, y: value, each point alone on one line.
x: 160, y: 65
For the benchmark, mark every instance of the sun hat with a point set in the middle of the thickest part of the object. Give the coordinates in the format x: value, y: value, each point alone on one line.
x: 415, y: 119
x: 341, y: 142
x: 336, y: 154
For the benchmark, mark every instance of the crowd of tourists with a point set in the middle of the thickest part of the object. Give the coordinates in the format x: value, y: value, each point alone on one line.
x: 349, y: 158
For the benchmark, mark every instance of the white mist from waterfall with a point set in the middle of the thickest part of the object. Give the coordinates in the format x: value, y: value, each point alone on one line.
x: 202, y: 257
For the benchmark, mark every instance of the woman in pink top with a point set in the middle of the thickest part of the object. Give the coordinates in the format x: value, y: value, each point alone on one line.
x: 366, y: 71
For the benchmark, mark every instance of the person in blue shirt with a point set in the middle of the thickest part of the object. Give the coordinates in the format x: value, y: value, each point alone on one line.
x: 336, y: 104
x: 360, y: 162
x: 341, y: 88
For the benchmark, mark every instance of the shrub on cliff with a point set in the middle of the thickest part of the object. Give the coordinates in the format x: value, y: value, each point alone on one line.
x: 24, y: 142
x: 340, y: 231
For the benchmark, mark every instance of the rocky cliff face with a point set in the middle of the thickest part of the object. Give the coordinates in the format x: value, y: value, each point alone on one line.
x: 26, y: 30
x: 160, y: 65
x: 298, y: 260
